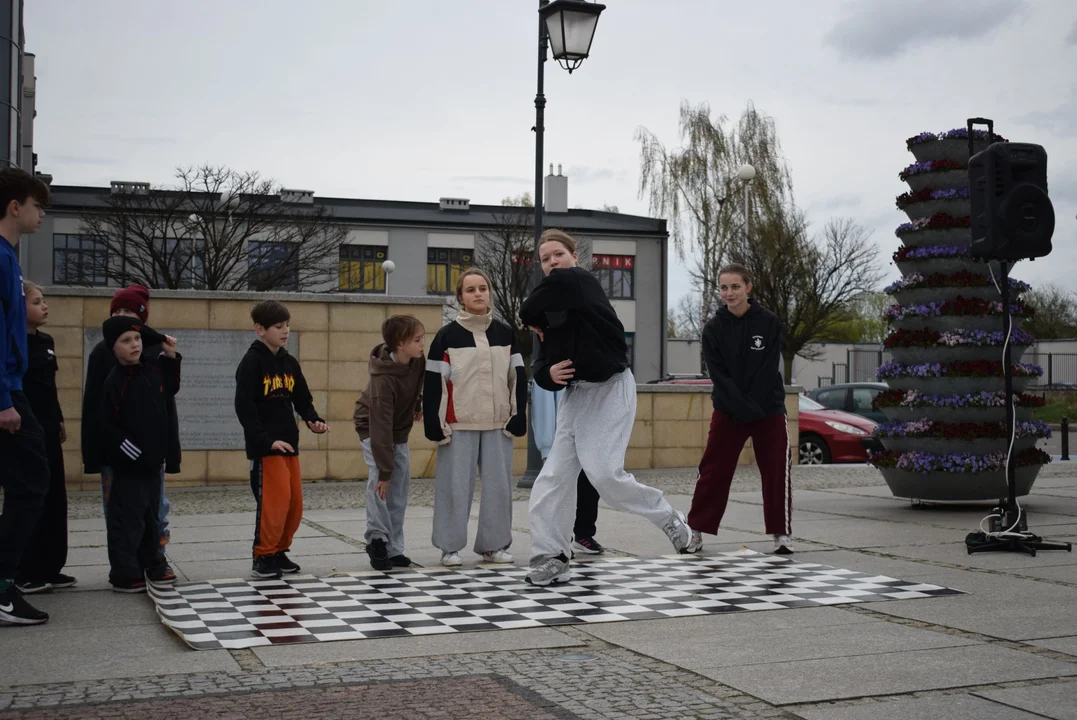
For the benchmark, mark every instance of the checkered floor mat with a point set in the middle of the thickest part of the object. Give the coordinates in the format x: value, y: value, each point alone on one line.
x: 243, y: 613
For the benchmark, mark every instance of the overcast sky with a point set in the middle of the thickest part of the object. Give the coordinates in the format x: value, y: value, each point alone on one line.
x: 419, y: 99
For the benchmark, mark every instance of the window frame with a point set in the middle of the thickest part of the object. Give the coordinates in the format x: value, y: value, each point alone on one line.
x: 380, y: 277
x: 101, y: 248
x: 196, y: 268
x: 611, y: 272
x: 283, y: 287
x: 458, y: 260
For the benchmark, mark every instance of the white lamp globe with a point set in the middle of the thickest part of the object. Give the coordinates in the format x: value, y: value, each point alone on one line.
x: 388, y: 266
x: 746, y: 173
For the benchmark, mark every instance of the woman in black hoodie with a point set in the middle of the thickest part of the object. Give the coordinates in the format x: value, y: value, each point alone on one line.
x: 742, y: 346
x: 583, y: 350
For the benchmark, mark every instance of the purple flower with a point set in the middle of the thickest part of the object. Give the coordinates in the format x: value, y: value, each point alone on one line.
x: 953, y: 194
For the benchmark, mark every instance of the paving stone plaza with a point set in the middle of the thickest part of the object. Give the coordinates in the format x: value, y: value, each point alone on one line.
x: 1005, y: 645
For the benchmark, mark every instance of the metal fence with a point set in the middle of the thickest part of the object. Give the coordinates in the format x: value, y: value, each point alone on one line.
x: 1059, y: 369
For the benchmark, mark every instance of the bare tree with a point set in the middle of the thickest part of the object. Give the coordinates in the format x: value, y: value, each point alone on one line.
x: 808, y: 283
x: 506, y: 252
x: 697, y: 188
x: 219, y: 229
x: 690, y: 318
x: 1056, y: 312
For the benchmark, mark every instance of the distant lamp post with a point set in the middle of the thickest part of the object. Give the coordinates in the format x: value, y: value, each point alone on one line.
x: 569, y: 27
x: 746, y: 175
x: 387, y: 267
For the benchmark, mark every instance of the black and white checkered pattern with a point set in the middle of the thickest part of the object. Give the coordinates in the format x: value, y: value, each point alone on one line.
x: 244, y: 613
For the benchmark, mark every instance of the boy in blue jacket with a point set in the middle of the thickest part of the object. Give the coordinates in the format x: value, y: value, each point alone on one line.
x: 25, y: 476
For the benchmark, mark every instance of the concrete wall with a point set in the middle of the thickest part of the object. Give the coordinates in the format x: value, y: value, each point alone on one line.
x: 683, y: 357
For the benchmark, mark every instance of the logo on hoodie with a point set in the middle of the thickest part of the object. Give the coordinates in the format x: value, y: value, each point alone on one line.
x: 272, y: 383
x: 757, y: 343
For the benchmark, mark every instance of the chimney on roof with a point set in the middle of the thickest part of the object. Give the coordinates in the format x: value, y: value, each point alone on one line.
x: 556, y: 193
x: 448, y: 204
x: 299, y: 197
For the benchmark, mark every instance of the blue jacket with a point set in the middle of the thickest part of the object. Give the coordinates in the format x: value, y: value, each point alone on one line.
x: 543, y: 417
x: 13, y: 352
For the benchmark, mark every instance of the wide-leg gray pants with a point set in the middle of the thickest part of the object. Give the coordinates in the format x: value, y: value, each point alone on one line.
x: 489, y: 452
x: 594, y: 423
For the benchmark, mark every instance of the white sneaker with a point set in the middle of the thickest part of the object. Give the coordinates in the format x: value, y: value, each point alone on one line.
x: 783, y: 545
x: 498, y: 556
x: 554, y: 570
x: 451, y: 559
x: 696, y: 543
x: 677, y: 530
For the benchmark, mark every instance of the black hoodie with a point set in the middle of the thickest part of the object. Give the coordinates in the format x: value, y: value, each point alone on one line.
x: 743, y: 357
x: 39, y: 383
x: 101, y: 363
x: 134, y: 415
x: 268, y: 386
x: 579, y: 324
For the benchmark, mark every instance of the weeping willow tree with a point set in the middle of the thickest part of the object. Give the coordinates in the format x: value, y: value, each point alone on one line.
x: 696, y: 186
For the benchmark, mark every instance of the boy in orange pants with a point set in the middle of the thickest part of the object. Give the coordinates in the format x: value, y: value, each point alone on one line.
x: 269, y: 384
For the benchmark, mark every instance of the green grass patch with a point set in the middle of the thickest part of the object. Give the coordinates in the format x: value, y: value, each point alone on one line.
x: 1052, y: 412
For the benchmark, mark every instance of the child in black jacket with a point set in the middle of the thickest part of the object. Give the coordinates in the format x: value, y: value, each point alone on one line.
x: 46, y: 553
x: 135, y: 422
x: 270, y: 390
x: 583, y: 350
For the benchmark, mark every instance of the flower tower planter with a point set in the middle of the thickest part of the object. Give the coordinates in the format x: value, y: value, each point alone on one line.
x: 945, y: 437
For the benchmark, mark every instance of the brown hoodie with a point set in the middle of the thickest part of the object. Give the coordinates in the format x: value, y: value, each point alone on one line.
x: 386, y: 410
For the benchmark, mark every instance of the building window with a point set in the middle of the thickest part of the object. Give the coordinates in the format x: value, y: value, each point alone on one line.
x: 79, y: 260
x: 185, y: 260
x: 273, y: 265
x: 444, y: 266
x: 630, y: 341
x: 360, y: 268
x: 615, y: 274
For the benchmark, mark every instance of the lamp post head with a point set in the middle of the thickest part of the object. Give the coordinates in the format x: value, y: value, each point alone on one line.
x: 570, y: 25
x: 746, y: 173
x: 388, y: 266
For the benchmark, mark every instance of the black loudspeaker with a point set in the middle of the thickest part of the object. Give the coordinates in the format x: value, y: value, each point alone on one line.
x: 1012, y: 217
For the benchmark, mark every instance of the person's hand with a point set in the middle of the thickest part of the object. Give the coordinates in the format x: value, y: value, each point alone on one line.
x: 63, y: 434
x: 10, y: 420
x: 417, y: 416
x: 318, y: 427
x: 382, y: 488
x: 537, y: 331
x: 169, y: 346
x: 281, y: 446
x: 562, y: 372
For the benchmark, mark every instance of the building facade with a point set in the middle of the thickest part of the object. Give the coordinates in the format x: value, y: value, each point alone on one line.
x: 430, y: 244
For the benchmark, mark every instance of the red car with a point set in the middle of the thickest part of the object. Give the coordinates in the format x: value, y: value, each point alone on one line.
x: 826, y: 436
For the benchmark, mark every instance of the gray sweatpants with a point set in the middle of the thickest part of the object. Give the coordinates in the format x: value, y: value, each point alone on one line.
x: 594, y: 423
x: 385, y: 518
x: 489, y: 452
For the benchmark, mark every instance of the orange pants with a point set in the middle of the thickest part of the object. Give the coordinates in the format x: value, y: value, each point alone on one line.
x: 278, y: 489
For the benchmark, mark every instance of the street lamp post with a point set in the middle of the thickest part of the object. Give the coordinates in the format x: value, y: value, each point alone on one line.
x: 746, y: 175
x: 569, y: 26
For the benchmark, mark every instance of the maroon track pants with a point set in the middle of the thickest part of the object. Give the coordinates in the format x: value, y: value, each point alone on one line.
x: 770, y: 441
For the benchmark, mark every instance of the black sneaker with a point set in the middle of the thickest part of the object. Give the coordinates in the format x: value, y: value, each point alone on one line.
x: 131, y: 586
x: 16, y: 611
x: 161, y: 576
x: 62, y: 581
x: 31, y: 587
x: 588, y: 545
x: 379, y: 555
x: 400, y: 561
x: 265, y: 566
x: 285, y: 564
